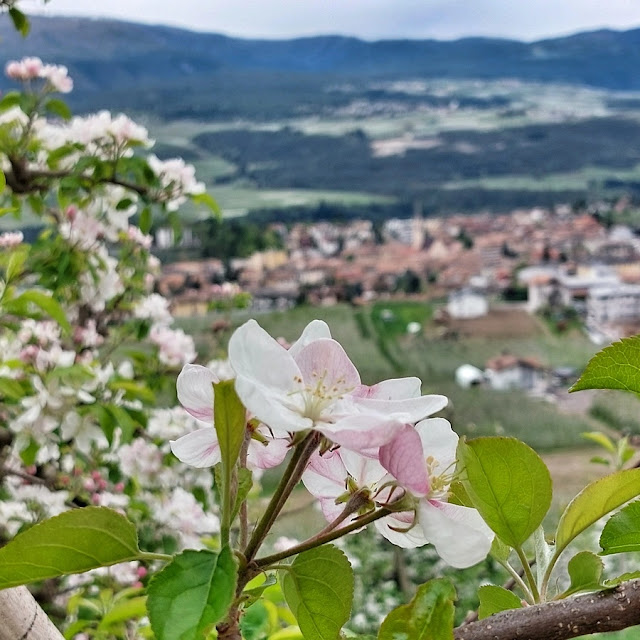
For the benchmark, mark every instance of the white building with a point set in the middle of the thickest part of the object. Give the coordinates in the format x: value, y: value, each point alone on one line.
x: 467, y: 303
x: 469, y: 376
x: 507, y: 371
x: 617, y: 304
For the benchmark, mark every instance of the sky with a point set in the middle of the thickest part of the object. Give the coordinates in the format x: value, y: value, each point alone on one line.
x: 368, y: 19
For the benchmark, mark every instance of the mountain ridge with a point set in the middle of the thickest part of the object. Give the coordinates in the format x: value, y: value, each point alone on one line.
x: 150, y: 52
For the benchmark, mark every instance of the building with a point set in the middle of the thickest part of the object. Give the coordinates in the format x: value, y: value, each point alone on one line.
x: 619, y: 304
x: 507, y: 371
x: 467, y: 303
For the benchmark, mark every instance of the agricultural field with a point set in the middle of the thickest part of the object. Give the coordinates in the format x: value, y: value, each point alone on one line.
x: 456, y: 145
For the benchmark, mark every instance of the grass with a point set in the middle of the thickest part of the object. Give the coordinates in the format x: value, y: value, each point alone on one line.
x: 619, y: 410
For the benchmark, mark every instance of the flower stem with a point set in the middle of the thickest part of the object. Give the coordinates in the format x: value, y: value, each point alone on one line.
x: 528, y: 574
x: 518, y: 580
x: 289, y: 480
x: 244, y: 512
x: 319, y: 540
x: 148, y: 556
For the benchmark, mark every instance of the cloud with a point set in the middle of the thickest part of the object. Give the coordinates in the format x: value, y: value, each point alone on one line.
x: 371, y: 19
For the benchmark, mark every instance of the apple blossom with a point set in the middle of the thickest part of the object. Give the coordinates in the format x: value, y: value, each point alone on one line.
x: 175, y: 347
x: 200, y: 448
x: 314, y: 385
x: 422, y: 459
x: 10, y: 239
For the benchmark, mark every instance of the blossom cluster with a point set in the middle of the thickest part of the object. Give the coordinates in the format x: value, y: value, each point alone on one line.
x: 380, y: 444
x: 79, y: 425
x: 100, y: 136
x: 27, y: 69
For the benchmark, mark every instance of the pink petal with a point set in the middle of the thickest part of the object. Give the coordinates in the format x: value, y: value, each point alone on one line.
x: 197, y: 449
x: 265, y: 456
x: 361, y: 432
x: 459, y: 534
x: 315, y: 330
x: 195, y: 391
x: 324, y: 362
x: 404, y: 459
x: 325, y: 475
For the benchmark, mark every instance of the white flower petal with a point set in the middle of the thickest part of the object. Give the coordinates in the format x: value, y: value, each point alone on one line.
x: 315, y: 330
x: 278, y: 411
x: 440, y: 442
x: 406, y: 539
x: 458, y: 533
x: 268, y: 382
x: 407, y: 409
x: 392, y: 389
x: 198, y: 449
x: 195, y: 391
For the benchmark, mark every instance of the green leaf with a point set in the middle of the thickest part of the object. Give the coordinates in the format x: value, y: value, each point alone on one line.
x: 124, y: 611
x: 600, y: 438
x: 255, y: 623
x: 458, y: 494
x: 10, y: 99
x: 500, y: 550
x: 625, y: 577
x: 73, y: 542
x: 3, y: 181
x: 191, y: 594
x: 595, y: 501
x: 288, y: 633
x: 252, y: 593
x: 318, y: 588
x: 585, y: 571
x: 145, y: 220
x: 494, y: 599
x: 15, y: 265
x: 615, y: 367
x: 58, y: 108
x: 49, y: 305
x: 429, y: 615
x: 207, y: 200
x: 230, y: 419
x: 20, y: 21
x: 54, y: 157
x: 133, y: 390
x: 508, y: 484
x: 11, y: 389
x: 622, y: 531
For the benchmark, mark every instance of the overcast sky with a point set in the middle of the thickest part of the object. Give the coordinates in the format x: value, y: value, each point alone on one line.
x: 370, y: 19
